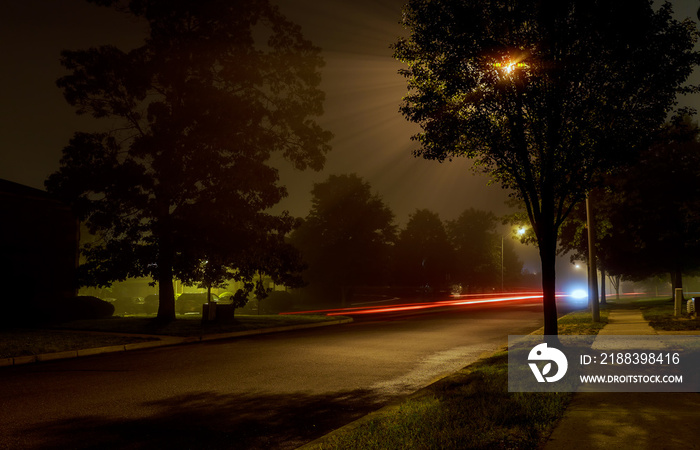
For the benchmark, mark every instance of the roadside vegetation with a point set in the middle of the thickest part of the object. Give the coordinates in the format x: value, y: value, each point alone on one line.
x: 580, y: 322
x: 469, y: 409
x: 660, y: 313
x: 82, y: 334
x: 26, y: 342
x: 191, y: 325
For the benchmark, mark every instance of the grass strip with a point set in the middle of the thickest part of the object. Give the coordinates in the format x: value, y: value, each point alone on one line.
x: 579, y: 322
x: 660, y: 312
x: 469, y: 409
x: 191, y: 325
x: 21, y: 342
x: 71, y: 336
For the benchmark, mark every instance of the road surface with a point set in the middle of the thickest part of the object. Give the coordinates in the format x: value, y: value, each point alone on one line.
x: 269, y: 391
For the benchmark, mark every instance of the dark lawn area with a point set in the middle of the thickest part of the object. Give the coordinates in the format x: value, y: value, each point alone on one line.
x: 81, y: 334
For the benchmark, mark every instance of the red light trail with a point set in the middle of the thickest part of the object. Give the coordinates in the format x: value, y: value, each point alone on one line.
x: 459, y: 300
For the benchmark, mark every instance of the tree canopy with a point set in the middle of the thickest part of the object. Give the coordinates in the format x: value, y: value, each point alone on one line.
x: 182, y: 176
x: 346, y: 237
x: 652, y: 209
x: 423, y: 254
x: 544, y: 95
x: 477, y: 249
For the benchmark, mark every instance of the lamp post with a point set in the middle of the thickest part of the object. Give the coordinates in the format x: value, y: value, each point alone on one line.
x: 502, y: 284
x: 520, y: 232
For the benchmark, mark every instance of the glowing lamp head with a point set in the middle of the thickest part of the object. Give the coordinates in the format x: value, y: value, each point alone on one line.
x: 508, y: 67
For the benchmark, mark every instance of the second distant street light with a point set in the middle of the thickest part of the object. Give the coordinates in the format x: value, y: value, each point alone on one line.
x: 520, y: 232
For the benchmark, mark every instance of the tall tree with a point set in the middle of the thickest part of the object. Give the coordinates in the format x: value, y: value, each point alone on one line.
x: 346, y: 238
x: 183, y: 175
x: 477, y: 249
x: 423, y: 254
x: 655, y: 207
x: 543, y: 94
x: 647, y: 220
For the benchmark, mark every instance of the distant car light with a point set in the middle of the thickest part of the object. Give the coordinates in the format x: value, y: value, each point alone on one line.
x: 579, y: 294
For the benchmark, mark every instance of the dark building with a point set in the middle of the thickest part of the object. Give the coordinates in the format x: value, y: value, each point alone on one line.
x: 38, y: 249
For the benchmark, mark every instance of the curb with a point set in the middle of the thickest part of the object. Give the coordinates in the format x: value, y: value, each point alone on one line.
x: 163, y: 341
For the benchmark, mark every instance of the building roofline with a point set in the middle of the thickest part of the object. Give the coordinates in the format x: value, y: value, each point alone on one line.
x: 12, y: 189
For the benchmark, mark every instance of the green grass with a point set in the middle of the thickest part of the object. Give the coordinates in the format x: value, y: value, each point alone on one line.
x: 469, y: 409
x: 22, y: 342
x: 660, y: 313
x: 71, y: 336
x: 580, y: 322
x: 191, y: 325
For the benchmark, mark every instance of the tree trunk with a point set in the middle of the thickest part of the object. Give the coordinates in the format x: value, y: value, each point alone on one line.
x: 676, y: 282
x: 548, y: 256
x: 166, y: 292
x: 592, y: 259
x: 603, y: 294
x: 615, y: 281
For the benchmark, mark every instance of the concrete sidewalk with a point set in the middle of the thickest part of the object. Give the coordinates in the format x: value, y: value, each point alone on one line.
x: 628, y: 420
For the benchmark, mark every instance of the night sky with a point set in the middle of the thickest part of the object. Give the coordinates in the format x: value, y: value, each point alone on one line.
x: 363, y: 93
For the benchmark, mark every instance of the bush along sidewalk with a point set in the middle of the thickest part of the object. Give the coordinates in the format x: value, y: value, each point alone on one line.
x: 471, y: 408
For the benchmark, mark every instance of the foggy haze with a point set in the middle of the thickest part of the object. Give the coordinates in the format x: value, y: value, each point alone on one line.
x: 360, y: 79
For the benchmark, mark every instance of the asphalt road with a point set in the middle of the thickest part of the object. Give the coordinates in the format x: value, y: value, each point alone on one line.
x: 269, y: 391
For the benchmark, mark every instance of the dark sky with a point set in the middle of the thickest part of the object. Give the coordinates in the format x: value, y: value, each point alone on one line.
x: 363, y: 92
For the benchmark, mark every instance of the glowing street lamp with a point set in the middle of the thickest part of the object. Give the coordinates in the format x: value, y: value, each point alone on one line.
x: 509, y: 67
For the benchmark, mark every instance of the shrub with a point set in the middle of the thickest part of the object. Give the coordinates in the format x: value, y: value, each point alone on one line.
x: 80, y: 307
x: 276, y: 302
x: 150, y: 304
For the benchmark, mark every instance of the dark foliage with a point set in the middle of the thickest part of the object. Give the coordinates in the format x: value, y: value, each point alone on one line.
x: 346, y: 238
x: 423, y: 254
x: 545, y: 96
x: 181, y: 186
x: 77, y: 308
x: 276, y: 302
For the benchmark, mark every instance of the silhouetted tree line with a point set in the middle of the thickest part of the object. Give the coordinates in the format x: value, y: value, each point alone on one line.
x: 545, y: 96
x: 647, y: 216
x: 349, y: 241
x: 179, y: 184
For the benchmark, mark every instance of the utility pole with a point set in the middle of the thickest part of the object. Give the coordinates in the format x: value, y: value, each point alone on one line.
x: 502, y: 284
